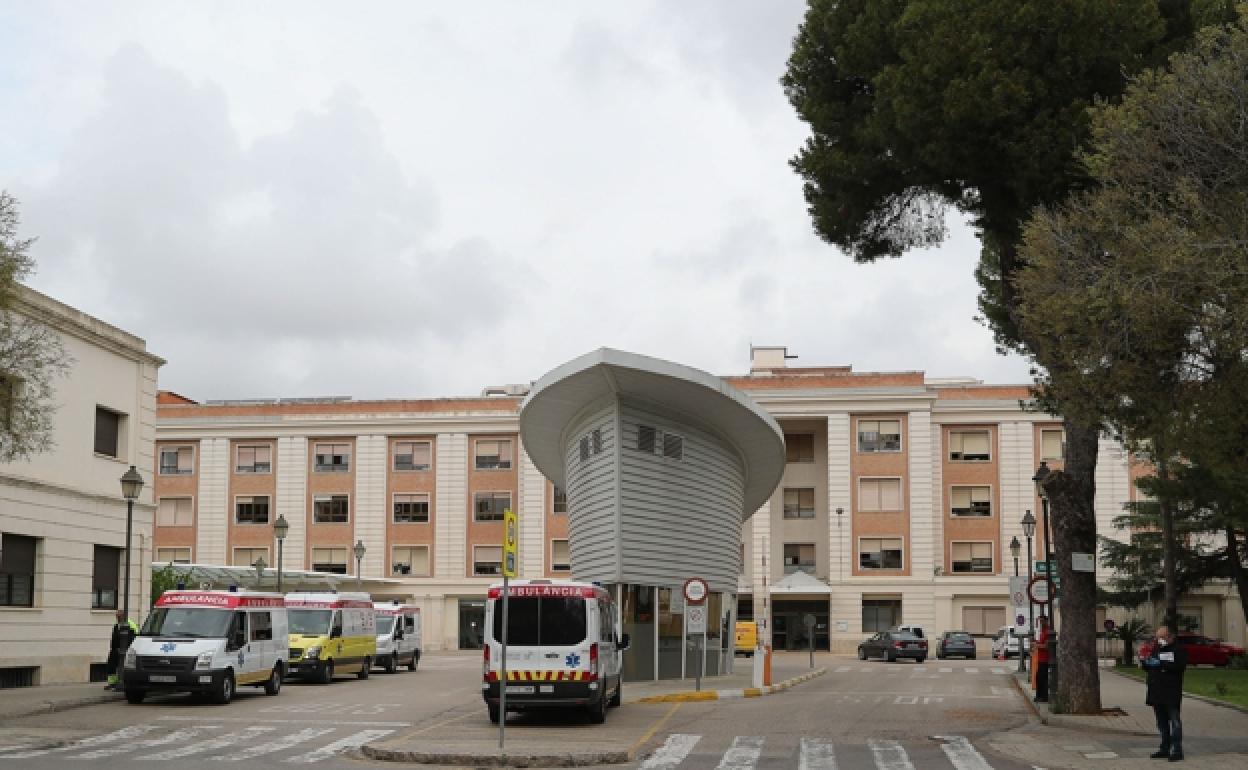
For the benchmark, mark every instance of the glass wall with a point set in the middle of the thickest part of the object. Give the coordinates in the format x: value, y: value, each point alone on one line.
x: 637, y: 617
x: 671, y: 633
x: 471, y: 624
x: 654, y: 619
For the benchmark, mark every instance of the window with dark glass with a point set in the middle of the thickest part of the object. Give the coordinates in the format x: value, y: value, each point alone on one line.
x: 560, y: 556
x: 17, y: 570
x: 251, y: 509
x: 489, y: 506
x: 330, y: 509
x: 879, y: 553
x: 799, y: 447
x: 970, y: 445
x: 107, y: 431
x: 176, y: 460
x: 333, y: 560
x: 105, y: 570
x: 487, y: 560
x: 254, y: 458
x: 560, y: 500
x: 413, y: 455
x: 971, y: 557
x: 333, y: 458
x: 493, y: 454
x: 799, y: 503
x: 879, y: 435
x: 799, y: 557
x: 411, y: 509
x: 971, y: 501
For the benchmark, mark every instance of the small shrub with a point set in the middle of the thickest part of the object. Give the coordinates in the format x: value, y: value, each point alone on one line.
x: 1238, y: 662
x: 1221, y: 688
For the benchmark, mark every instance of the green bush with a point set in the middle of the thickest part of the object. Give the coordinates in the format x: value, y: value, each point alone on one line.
x: 1238, y: 662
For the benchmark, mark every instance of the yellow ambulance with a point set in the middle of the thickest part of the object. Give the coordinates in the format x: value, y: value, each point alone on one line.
x: 331, y: 633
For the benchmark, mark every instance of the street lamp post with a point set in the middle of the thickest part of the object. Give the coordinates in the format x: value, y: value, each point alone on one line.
x: 840, y: 542
x: 131, y: 485
x: 1042, y: 473
x: 360, y: 550
x: 1029, y: 530
x: 280, y: 528
x: 1015, y: 547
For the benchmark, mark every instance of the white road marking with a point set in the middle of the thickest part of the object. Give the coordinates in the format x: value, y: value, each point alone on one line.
x: 1000, y: 671
x: 971, y: 670
x: 962, y: 755
x: 889, y: 755
x: 672, y: 752
x: 243, y: 737
x: 817, y: 755
x: 744, y: 753
x: 124, y: 734
x: 946, y: 670
x: 350, y: 742
x: 334, y: 722
x: 1101, y: 755
x: 906, y: 700
x: 184, y: 734
x: 843, y: 669
x: 281, y: 744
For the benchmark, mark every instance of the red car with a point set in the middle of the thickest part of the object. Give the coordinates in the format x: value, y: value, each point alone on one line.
x: 1201, y: 650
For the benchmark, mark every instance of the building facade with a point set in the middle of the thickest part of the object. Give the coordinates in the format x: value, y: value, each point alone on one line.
x: 62, y: 514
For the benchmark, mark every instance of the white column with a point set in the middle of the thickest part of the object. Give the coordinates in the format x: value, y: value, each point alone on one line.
x: 532, y: 513
x: 761, y: 569
x: 1113, y: 488
x: 451, y: 524
x: 371, y: 507
x: 292, y: 497
x: 918, y: 606
x: 1016, y: 466
x: 211, y: 508
x: 845, y: 601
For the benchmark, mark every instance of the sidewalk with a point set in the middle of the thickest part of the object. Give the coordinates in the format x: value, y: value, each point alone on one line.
x: 28, y: 701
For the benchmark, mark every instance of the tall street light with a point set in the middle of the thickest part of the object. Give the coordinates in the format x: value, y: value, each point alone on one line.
x: 1042, y: 473
x: 131, y: 485
x: 360, y: 550
x: 1015, y: 547
x: 280, y: 528
x: 1029, y: 531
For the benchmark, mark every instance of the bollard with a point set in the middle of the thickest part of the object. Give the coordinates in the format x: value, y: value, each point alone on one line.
x: 759, y: 655
x: 767, y: 666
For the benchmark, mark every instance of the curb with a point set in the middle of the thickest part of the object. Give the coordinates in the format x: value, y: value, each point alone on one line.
x: 749, y: 692
x: 52, y: 707
x: 498, y: 759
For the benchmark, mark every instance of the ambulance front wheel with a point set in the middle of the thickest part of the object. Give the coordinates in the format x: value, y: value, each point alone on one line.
x: 225, y: 691
x: 274, y: 684
x: 392, y: 663
x: 327, y: 672
x: 495, y: 713
x: 364, y: 669
x: 136, y: 696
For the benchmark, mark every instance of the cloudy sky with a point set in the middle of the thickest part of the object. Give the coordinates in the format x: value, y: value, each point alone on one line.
x: 422, y: 199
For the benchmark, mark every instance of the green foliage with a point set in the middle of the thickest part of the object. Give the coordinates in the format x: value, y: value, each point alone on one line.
x: 167, y: 578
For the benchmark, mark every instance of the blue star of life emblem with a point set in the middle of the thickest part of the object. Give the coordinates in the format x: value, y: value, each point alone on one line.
x: 572, y: 661
x: 168, y: 647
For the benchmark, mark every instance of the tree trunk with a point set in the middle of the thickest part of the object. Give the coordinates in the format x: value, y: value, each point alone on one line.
x: 1128, y: 650
x: 1171, y: 616
x: 1072, y: 511
x: 1234, y: 555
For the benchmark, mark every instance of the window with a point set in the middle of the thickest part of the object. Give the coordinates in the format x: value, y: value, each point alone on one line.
x: 1052, y: 444
x: 560, y: 557
x: 254, y: 458
x: 331, y: 509
x: 333, y: 560
x: 409, y: 560
x: 970, y: 445
x: 799, y: 557
x: 880, y: 614
x: 879, y: 435
x: 489, y: 506
x: 251, y: 509
x: 971, y: 501
x: 551, y: 621
x: 176, y: 460
x: 584, y: 448
x: 983, y: 621
x: 493, y: 455
x: 673, y: 446
x: 646, y: 438
x: 971, y: 557
x: 173, y: 555
x: 879, y: 553
x: 17, y: 571
x: 799, y: 503
x: 413, y: 455
x: 799, y: 447
x: 560, y: 499
x: 333, y: 458
x: 595, y: 439
x: 175, y: 512
x: 487, y: 560
x: 246, y: 557
x: 411, y: 509
x: 104, y: 582
x: 8, y: 394
x: 879, y: 495
x: 261, y: 626
x: 108, y: 432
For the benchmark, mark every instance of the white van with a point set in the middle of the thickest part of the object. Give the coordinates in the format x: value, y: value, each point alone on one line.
x: 209, y: 642
x: 1005, y: 644
x: 398, y: 636
x: 564, y: 648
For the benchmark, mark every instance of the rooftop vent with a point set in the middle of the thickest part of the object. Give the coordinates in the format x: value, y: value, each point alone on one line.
x: 506, y: 390
x: 765, y: 358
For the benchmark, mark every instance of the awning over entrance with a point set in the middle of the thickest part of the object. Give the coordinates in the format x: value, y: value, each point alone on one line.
x: 802, y: 583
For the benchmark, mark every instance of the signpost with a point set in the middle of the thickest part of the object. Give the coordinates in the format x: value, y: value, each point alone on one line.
x: 696, y: 590
x: 808, y: 620
x: 510, y: 540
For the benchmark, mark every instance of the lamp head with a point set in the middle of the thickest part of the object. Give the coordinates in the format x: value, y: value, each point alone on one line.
x: 1015, y: 546
x: 131, y: 484
x: 281, y: 527
x: 1042, y: 473
x: 360, y: 550
x: 1029, y: 525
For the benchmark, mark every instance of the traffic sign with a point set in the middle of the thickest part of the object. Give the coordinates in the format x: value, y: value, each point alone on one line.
x: 695, y: 619
x: 1018, y: 591
x: 510, y: 542
x: 1041, y: 589
x: 696, y: 590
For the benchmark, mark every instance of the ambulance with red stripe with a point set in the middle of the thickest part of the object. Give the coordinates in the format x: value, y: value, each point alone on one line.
x: 331, y: 633
x: 208, y: 642
x: 564, y: 648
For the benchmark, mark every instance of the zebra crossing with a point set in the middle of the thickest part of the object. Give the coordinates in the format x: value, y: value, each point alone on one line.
x: 213, y: 740
x: 746, y: 752
x: 921, y: 668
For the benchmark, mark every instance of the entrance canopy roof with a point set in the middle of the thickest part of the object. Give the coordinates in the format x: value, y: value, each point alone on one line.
x: 800, y: 583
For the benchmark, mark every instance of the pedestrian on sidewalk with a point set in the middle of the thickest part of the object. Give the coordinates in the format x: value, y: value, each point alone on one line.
x: 1041, y: 659
x: 1165, y: 667
x: 124, y: 631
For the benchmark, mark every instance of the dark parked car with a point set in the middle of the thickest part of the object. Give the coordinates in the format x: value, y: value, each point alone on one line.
x: 891, y: 645
x: 955, y: 644
x: 1201, y: 650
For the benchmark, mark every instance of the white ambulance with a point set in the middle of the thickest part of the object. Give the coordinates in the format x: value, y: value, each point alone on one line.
x: 564, y: 648
x: 398, y: 636
x: 209, y: 642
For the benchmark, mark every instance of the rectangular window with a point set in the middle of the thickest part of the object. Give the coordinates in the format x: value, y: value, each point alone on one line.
x: 673, y: 446
x: 251, y: 509
x: 411, y: 509
x: 1052, y: 444
x: 799, y: 503
x: 560, y: 499
x: 879, y: 435
x: 560, y: 556
x: 595, y: 438
x: 971, y: 501
x: 879, y: 553
x: 646, y: 438
x: 413, y: 455
x: 333, y: 458
x: 970, y: 445
x: 253, y: 458
x: 879, y: 495
x: 799, y: 447
x: 247, y: 557
x: 173, y: 555
x: 971, y: 557
x: 331, y: 509
x: 799, y: 557
x: 487, y: 560
x: 175, y: 512
x: 584, y: 448
x: 17, y: 570
x: 880, y: 614
x: 493, y: 454
x: 104, y: 577
x: 409, y: 560
x: 332, y: 560
x: 107, y: 432
x: 489, y: 506
x: 177, y: 460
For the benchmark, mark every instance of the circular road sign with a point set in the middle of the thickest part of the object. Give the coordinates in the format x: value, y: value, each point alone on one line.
x: 696, y: 590
x: 1040, y: 589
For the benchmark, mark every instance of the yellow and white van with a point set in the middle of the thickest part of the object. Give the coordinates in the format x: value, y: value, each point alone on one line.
x: 210, y: 642
x: 564, y: 648
x: 398, y: 636
x: 331, y: 633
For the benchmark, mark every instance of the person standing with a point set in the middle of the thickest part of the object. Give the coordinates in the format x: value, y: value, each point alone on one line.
x: 1040, y: 659
x: 1165, y: 666
x: 124, y: 631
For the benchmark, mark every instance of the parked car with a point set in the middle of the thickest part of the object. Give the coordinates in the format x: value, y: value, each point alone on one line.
x: 1004, y: 642
x: 891, y: 645
x: 955, y: 644
x: 1201, y: 650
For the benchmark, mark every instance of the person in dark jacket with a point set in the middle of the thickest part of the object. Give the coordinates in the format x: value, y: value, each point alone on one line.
x: 124, y: 631
x: 1165, y: 667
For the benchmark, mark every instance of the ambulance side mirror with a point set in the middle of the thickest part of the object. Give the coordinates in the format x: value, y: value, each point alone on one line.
x: 625, y: 641
x: 238, y: 640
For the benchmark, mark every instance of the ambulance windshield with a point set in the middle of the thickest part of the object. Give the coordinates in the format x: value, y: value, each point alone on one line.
x: 308, y: 622
x: 384, y: 624
x: 554, y: 621
x: 187, y: 622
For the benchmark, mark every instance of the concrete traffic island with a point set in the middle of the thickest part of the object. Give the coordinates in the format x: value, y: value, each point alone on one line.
x: 728, y: 694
